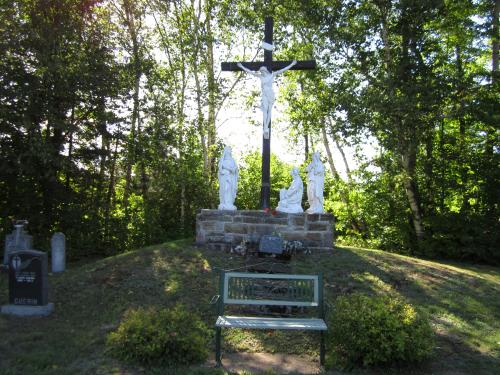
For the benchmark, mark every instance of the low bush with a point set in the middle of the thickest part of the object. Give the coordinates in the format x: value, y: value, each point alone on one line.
x: 465, y: 237
x: 370, y: 331
x: 160, y: 337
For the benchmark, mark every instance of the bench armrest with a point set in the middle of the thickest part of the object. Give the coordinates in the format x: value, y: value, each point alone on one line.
x: 214, y: 299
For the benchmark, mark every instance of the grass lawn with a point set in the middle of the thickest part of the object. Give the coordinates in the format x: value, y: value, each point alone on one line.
x: 463, y: 301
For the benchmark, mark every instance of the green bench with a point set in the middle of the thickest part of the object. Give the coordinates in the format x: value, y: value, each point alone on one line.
x: 266, y: 290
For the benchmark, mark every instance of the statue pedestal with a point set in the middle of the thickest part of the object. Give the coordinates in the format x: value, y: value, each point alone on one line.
x: 220, y: 229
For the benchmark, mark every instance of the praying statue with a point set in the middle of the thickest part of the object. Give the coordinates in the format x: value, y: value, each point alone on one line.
x: 266, y: 85
x: 291, y: 198
x: 315, y: 185
x: 228, y: 180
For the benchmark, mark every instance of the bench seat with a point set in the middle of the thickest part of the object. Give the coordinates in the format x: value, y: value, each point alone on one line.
x: 270, y: 323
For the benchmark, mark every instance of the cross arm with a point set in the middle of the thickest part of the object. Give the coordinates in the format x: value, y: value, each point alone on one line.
x: 276, y: 65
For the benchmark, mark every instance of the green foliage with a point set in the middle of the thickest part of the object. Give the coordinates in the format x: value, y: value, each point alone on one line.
x: 116, y: 146
x: 470, y: 237
x: 160, y: 337
x: 80, y: 151
x: 372, y: 331
x: 424, y: 91
x: 248, y: 197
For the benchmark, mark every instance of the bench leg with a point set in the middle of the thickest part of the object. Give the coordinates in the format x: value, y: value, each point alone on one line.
x: 218, y: 362
x: 322, y: 349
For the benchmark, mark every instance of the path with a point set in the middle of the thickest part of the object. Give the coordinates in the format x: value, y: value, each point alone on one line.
x: 279, y: 363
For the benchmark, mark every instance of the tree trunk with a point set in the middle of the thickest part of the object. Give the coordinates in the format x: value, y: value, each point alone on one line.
x: 111, y: 190
x: 211, y: 134
x: 137, y: 65
x: 70, y: 148
x: 495, y: 42
x: 343, y: 192
x: 429, y: 173
x: 409, y: 161
x: 183, y: 209
x: 385, y: 35
x: 142, y: 164
x: 205, y: 147
x: 462, y: 148
x: 492, y: 189
x: 409, y: 138
x: 329, y: 154
x: 442, y: 168
x: 306, y: 148
x: 344, y: 159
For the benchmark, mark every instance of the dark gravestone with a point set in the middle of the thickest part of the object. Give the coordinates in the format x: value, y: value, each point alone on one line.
x: 271, y: 245
x: 28, y: 280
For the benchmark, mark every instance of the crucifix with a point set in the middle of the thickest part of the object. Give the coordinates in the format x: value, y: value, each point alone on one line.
x: 267, y: 70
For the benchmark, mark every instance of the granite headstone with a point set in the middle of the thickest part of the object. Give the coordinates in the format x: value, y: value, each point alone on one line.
x: 28, y: 278
x: 28, y: 284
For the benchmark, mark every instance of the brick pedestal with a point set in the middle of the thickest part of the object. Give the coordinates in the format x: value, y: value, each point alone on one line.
x: 226, y: 229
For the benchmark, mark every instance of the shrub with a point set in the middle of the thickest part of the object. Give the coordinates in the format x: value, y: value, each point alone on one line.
x: 160, y: 337
x: 466, y: 237
x: 375, y: 331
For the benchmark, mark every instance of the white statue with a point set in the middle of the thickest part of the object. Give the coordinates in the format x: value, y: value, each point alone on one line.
x: 291, y: 198
x: 266, y: 85
x: 228, y: 180
x: 315, y: 185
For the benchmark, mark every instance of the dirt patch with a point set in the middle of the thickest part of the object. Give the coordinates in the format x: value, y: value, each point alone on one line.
x: 261, y: 362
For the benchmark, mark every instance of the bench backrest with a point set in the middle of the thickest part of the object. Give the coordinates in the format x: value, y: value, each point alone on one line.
x: 242, y: 288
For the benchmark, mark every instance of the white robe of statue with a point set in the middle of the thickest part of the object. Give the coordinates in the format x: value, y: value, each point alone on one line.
x: 266, y: 85
x: 228, y: 180
x: 315, y: 185
x: 291, y: 198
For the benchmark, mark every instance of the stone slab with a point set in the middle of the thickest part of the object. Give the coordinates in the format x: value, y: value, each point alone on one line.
x: 23, y: 310
x: 271, y: 245
x: 58, y: 252
x: 319, y: 226
x: 248, y: 219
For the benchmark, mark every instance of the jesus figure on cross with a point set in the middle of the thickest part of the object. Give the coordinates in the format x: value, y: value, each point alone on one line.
x: 266, y: 85
x: 266, y: 71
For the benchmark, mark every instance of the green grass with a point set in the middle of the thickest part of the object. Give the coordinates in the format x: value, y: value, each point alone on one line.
x: 463, y: 301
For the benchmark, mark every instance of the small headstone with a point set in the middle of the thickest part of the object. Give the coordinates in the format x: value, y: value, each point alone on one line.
x: 18, y: 240
x: 271, y: 245
x: 28, y: 284
x: 58, y: 252
x: 8, y: 248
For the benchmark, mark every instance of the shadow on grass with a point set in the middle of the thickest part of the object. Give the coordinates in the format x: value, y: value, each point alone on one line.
x: 91, y: 299
x: 89, y: 303
x: 464, y: 309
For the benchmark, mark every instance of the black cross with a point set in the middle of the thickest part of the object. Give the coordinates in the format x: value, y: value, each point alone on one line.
x: 271, y: 65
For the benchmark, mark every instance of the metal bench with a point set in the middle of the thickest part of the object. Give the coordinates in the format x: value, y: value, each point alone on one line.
x: 242, y: 288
